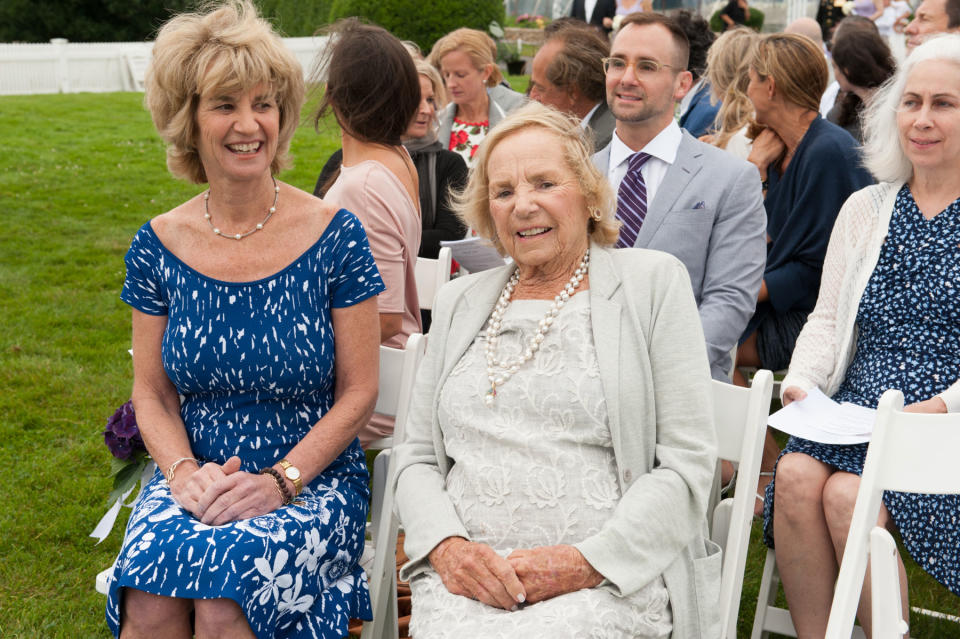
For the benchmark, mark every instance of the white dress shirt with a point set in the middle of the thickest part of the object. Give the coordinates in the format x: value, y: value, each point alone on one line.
x: 663, y: 153
x: 588, y: 7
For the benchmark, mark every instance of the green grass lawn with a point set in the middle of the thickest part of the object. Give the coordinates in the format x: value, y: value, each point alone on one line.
x: 79, y: 174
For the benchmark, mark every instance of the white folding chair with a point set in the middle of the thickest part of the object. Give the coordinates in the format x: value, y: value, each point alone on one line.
x: 398, y: 371
x: 887, y: 617
x: 740, y: 415
x: 909, y: 452
x: 431, y: 275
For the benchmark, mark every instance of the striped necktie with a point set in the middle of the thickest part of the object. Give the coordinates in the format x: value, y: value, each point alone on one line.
x: 632, y: 201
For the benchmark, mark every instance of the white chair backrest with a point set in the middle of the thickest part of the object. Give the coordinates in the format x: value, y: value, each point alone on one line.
x: 431, y: 275
x: 885, y: 587
x: 398, y: 372
x: 398, y: 369
x: 740, y: 416
x: 909, y: 452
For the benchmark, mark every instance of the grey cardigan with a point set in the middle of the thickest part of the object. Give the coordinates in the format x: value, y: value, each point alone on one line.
x: 502, y: 102
x: 656, y: 382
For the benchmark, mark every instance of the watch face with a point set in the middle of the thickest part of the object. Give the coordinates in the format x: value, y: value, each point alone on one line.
x: 292, y: 473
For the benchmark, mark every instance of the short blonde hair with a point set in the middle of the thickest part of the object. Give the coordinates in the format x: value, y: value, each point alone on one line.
x: 479, y: 47
x: 226, y: 47
x: 473, y: 205
x: 727, y: 63
x: 430, y: 72
x: 797, y: 66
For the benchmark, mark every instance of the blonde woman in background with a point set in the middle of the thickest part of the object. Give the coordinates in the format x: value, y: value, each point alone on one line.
x: 466, y: 58
x: 727, y: 70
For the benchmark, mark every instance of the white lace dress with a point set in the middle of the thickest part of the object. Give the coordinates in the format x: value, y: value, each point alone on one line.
x: 535, y: 469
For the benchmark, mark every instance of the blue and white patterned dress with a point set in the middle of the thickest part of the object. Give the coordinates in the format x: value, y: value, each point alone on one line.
x: 909, y: 331
x: 255, y: 364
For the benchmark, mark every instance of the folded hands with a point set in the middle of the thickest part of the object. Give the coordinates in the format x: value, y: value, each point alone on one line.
x: 475, y: 570
x: 219, y: 494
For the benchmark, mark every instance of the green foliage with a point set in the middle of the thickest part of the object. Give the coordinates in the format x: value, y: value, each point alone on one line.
x: 85, y: 20
x: 419, y: 21
x: 295, y: 18
x: 755, y: 21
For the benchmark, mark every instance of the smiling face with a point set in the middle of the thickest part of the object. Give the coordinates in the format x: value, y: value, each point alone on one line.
x: 536, y: 204
x: 930, y: 18
x: 465, y: 82
x: 649, y: 98
x: 237, y: 133
x: 423, y: 121
x: 928, y: 117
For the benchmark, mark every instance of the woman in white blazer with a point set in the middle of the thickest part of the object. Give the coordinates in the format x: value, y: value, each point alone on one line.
x: 559, y: 451
x: 466, y: 58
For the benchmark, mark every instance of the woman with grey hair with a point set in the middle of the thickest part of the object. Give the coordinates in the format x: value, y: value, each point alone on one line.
x: 548, y: 484
x: 887, y: 317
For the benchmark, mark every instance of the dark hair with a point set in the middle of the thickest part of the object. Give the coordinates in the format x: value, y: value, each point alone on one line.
x: 953, y: 14
x: 852, y: 23
x: 865, y: 60
x: 578, y: 63
x: 680, y: 39
x: 565, y: 23
x: 699, y: 36
x: 372, y: 84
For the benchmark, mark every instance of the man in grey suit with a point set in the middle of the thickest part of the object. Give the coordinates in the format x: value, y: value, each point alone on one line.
x: 692, y: 200
x: 567, y: 75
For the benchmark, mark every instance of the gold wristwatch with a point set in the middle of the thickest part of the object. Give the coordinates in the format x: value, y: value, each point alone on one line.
x: 292, y: 473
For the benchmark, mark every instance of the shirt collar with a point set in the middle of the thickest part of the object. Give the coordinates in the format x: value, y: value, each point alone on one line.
x: 586, y: 119
x: 691, y: 94
x: 663, y: 147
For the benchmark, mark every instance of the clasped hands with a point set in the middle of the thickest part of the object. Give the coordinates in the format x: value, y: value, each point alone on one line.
x: 475, y: 570
x: 219, y: 494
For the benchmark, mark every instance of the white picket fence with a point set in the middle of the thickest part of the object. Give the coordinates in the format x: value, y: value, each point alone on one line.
x: 73, y: 67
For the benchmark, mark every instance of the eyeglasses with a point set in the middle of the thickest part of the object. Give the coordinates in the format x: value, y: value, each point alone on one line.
x: 642, y: 67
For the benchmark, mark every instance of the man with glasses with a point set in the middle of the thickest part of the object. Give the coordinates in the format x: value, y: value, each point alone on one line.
x: 679, y: 195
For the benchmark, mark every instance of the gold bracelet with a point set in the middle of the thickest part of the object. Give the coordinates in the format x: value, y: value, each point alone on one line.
x: 174, y: 465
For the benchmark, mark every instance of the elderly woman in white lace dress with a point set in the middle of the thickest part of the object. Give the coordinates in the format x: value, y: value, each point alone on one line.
x: 560, y: 449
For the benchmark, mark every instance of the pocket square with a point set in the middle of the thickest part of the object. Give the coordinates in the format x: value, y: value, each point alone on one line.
x: 699, y: 205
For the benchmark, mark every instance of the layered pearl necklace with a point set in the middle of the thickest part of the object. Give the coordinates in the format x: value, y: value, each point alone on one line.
x: 507, y: 367
x: 240, y: 236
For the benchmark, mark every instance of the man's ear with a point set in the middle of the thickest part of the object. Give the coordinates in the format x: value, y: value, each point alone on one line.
x: 682, y: 86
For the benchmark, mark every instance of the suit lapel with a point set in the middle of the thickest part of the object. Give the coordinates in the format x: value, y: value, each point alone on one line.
x: 674, y: 183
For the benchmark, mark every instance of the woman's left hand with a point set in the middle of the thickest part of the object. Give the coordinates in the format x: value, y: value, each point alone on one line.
x: 932, y: 405
x: 240, y: 495
x: 549, y: 571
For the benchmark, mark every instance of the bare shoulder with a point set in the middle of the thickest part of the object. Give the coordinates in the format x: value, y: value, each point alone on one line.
x: 307, y: 213
x: 179, y: 223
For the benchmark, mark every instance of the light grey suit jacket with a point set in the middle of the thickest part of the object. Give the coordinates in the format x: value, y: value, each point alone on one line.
x: 708, y: 211
x: 656, y: 385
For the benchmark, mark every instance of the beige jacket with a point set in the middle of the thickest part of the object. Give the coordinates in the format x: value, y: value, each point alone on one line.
x: 656, y: 381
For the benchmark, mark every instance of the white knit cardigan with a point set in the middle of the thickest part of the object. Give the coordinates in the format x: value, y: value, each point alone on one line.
x: 826, y: 345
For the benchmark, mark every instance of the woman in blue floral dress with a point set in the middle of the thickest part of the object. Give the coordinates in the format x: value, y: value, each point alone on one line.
x: 888, y: 316
x: 255, y: 340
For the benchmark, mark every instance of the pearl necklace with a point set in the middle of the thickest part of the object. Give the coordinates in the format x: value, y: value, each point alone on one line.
x: 508, y: 368
x: 240, y: 236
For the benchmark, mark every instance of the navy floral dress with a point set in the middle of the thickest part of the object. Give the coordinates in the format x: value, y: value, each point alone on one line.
x: 909, y: 332
x: 254, y: 364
